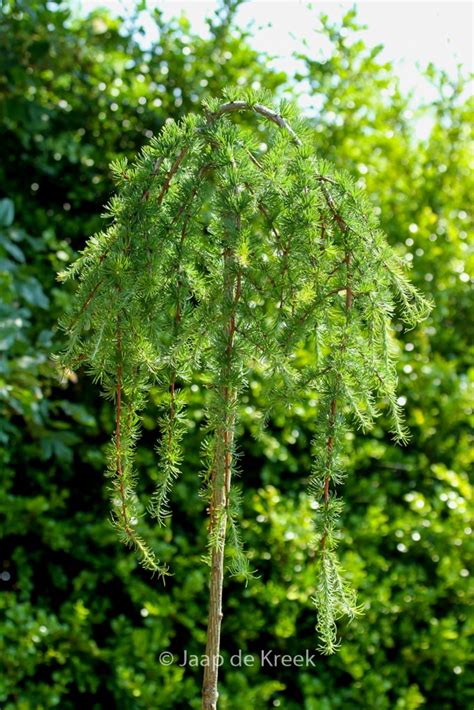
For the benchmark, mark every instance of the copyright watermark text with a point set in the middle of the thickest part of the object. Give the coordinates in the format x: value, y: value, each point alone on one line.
x: 263, y: 658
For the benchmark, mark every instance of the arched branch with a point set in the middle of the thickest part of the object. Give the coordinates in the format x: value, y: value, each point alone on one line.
x: 237, y: 106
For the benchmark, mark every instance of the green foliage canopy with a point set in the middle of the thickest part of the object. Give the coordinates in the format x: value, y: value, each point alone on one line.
x: 154, y: 295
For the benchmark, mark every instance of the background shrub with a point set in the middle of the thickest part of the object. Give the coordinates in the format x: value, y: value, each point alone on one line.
x: 81, y: 624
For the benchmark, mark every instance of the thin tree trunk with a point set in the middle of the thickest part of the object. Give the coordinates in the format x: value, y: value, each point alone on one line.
x: 220, y: 482
x: 219, y: 501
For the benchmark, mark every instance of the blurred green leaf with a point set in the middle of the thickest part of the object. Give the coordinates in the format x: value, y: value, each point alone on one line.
x: 7, y: 212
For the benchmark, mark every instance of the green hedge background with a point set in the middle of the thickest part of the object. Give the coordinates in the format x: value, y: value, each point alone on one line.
x: 81, y: 626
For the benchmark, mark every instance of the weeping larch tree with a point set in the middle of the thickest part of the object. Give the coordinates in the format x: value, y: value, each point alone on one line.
x: 226, y: 257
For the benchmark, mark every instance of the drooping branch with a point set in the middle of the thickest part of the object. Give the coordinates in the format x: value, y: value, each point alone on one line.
x: 118, y: 432
x: 173, y: 170
x: 172, y: 425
